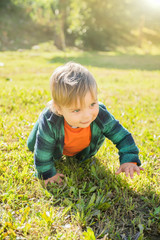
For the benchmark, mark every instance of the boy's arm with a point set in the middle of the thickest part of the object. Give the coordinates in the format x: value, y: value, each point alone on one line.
x: 113, y: 130
x: 43, y: 151
x: 128, y: 151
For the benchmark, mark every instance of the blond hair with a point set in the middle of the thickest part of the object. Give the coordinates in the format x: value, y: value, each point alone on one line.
x: 70, y: 83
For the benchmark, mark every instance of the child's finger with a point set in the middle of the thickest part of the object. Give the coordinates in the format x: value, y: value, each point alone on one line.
x: 118, y: 171
x: 131, y: 173
x: 137, y: 170
x: 60, y: 175
x: 127, y: 172
x: 59, y: 180
x: 46, y: 182
x: 50, y: 181
x: 141, y: 168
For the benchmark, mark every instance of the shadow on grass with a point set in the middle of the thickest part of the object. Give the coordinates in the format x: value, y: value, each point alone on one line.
x: 104, y: 60
x: 105, y: 202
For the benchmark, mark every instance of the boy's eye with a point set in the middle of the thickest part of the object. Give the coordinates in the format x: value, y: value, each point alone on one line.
x: 92, y: 105
x: 77, y: 110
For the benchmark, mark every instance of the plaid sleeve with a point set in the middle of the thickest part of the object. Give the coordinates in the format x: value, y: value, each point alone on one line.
x: 114, y: 131
x: 44, y: 147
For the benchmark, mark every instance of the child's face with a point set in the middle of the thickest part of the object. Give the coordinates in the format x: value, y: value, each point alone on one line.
x: 81, y: 116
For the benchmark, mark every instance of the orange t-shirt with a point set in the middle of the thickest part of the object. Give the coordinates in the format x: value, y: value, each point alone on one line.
x: 75, y: 139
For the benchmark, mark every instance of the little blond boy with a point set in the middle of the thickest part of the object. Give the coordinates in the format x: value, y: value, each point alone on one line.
x: 76, y: 124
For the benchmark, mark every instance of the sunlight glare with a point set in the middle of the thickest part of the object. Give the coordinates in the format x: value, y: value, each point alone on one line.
x: 154, y: 3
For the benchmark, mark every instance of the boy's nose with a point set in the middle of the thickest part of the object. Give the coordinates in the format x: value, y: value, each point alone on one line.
x: 86, y: 115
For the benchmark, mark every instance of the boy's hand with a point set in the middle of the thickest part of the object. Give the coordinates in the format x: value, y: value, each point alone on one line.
x: 129, y: 169
x: 56, y: 178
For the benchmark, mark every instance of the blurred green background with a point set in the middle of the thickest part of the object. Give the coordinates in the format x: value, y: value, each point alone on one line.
x: 89, y: 25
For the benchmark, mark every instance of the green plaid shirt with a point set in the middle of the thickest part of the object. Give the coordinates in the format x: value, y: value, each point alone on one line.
x: 47, y: 140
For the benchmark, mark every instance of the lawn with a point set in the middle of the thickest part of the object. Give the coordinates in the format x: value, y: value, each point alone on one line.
x: 93, y: 202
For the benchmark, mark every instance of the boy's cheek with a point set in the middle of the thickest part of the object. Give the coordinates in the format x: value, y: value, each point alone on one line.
x: 96, y: 113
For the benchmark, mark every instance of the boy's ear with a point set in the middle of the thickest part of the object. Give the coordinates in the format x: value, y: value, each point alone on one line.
x: 57, y: 108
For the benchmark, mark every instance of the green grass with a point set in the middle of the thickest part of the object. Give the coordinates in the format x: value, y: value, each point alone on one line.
x: 93, y: 203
